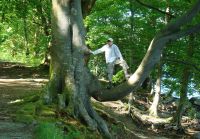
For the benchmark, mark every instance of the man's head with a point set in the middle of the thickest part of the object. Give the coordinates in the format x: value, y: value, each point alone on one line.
x: 110, y: 41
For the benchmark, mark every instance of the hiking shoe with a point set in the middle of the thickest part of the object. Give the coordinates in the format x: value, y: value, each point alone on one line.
x: 127, y: 76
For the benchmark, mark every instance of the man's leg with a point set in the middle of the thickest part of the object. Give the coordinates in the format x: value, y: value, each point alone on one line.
x: 110, y: 68
x: 124, y: 66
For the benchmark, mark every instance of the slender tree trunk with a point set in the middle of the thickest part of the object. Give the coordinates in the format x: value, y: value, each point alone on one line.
x: 26, y: 37
x: 46, y: 24
x: 184, y: 86
x: 36, y: 39
x: 3, y: 12
x: 25, y: 29
x: 3, y: 17
x: 130, y: 102
x: 153, y: 110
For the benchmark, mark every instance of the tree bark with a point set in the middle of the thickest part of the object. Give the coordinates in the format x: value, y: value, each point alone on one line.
x: 153, y: 110
x: 87, y: 6
x: 69, y: 76
x: 184, y: 85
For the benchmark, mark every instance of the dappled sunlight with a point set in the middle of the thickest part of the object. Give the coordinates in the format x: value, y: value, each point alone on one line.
x: 61, y: 17
x: 136, y: 76
x: 22, y: 82
x: 13, y: 91
x: 119, y: 112
x: 15, y: 101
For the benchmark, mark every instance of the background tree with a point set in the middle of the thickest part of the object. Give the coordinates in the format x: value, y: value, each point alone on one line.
x: 25, y: 30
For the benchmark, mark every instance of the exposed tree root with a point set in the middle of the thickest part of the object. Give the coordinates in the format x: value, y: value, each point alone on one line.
x: 146, y: 119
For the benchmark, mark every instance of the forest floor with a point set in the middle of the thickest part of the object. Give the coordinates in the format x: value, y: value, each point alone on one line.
x: 18, y: 82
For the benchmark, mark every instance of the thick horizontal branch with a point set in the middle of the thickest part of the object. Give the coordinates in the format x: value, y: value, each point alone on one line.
x: 154, y: 8
x: 186, y: 32
x: 183, y: 20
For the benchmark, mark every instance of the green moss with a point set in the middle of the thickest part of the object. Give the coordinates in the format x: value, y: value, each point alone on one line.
x: 47, y: 117
x: 24, y: 118
x: 28, y: 109
x: 49, y: 130
x: 44, y: 110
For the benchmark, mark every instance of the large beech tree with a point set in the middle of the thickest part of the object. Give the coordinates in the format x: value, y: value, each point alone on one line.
x: 72, y: 85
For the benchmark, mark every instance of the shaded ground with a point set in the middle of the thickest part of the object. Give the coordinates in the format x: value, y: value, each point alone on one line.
x: 16, y: 71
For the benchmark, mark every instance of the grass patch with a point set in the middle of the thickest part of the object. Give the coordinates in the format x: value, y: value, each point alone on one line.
x: 48, y: 131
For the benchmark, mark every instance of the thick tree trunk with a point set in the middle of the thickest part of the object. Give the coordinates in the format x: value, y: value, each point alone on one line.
x: 184, y: 86
x: 69, y: 77
x: 61, y: 49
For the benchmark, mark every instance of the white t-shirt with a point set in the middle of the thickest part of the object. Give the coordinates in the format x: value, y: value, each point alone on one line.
x: 111, y: 52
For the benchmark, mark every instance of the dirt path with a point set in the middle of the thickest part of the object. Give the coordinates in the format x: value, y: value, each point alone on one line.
x: 16, y: 82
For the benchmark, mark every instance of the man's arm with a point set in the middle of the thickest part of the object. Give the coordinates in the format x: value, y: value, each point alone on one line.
x: 101, y: 50
x: 118, y: 53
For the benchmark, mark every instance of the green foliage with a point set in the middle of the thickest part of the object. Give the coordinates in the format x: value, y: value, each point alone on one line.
x: 193, y: 113
x: 22, y: 34
x: 119, y: 77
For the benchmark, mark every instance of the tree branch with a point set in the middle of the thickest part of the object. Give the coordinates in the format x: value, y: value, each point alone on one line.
x: 183, y: 62
x: 194, y: 29
x: 154, y: 8
x: 87, y: 6
x: 150, y: 59
x: 183, y: 20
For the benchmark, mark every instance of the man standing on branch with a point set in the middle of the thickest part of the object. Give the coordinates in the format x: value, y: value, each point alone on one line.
x: 113, y: 56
